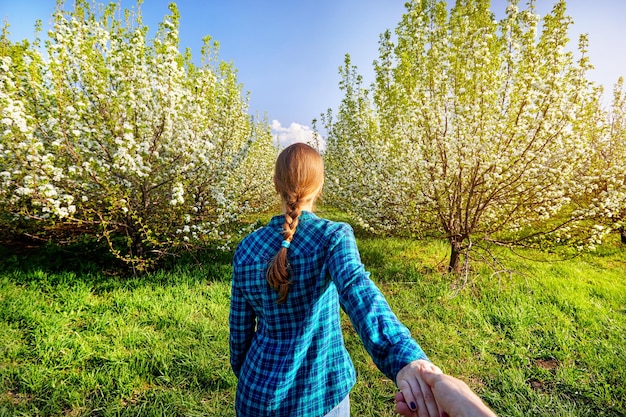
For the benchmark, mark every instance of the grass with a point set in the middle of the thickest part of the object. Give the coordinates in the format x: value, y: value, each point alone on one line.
x: 88, y: 344
x: 549, y: 340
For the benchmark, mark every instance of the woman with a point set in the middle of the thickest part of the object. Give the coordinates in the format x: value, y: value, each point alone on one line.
x: 289, y: 280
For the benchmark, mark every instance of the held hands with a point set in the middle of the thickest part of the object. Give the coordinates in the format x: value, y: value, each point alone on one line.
x: 454, y: 397
x: 417, y: 399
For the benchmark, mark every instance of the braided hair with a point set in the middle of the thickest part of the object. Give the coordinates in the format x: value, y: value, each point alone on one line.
x: 298, y: 178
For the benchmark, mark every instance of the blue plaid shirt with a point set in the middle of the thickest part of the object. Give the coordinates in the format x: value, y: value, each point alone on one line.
x: 290, y: 358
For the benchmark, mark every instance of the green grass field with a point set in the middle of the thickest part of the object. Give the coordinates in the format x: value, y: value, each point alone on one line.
x: 549, y: 339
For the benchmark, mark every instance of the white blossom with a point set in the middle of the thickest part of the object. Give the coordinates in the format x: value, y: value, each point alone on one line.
x: 473, y: 131
x: 133, y: 131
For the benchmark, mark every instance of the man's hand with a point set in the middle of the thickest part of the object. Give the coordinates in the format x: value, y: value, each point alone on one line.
x: 454, y: 397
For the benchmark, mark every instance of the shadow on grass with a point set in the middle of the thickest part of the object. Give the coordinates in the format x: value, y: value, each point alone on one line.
x: 91, y: 263
x: 25, y: 255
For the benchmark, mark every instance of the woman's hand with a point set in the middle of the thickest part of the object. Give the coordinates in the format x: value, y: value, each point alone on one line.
x: 418, y: 399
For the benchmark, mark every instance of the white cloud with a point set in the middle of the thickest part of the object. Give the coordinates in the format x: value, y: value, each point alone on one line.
x: 285, y: 136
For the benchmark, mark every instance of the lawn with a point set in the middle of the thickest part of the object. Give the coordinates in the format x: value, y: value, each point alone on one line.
x: 547, y: 339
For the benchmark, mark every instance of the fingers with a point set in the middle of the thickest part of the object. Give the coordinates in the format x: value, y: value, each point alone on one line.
x: 429, y: 397
x: 401, y: 406
x: 399, y: 398
x: 415, y: 392
x: 408, y: 393
x: 418, y: 398
x: 430, y: 404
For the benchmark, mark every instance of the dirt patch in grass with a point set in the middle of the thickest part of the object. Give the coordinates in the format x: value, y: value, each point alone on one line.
x: 549, y: 364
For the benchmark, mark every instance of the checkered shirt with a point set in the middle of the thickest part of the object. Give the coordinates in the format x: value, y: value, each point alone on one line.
x: 290, y: 358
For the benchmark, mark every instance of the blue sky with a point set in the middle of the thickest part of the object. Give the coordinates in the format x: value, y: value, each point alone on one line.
x: 288, y: 52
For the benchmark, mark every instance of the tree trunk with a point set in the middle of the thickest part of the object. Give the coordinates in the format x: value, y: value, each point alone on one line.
x: 138, y: 247
x: 622, y: 233
x: 455, y: 256
x: 136, y: 239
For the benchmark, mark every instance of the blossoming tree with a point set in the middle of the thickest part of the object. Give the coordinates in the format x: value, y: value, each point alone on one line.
x: 127, y: 136
x: 603, y: 198
x: 473, y: 130
x: 614, y: 153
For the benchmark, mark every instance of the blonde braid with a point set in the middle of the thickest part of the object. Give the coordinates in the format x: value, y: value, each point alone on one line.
x: 291, y: 220
x: 298, y: 178
x: 278, y: 272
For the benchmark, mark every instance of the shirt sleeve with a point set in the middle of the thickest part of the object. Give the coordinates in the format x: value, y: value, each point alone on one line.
x: 385, y: 338
x: 242, y: 322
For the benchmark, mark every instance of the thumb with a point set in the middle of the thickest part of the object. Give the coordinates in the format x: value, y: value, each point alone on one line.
x: 402, y: 407
x: 429, y: 375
